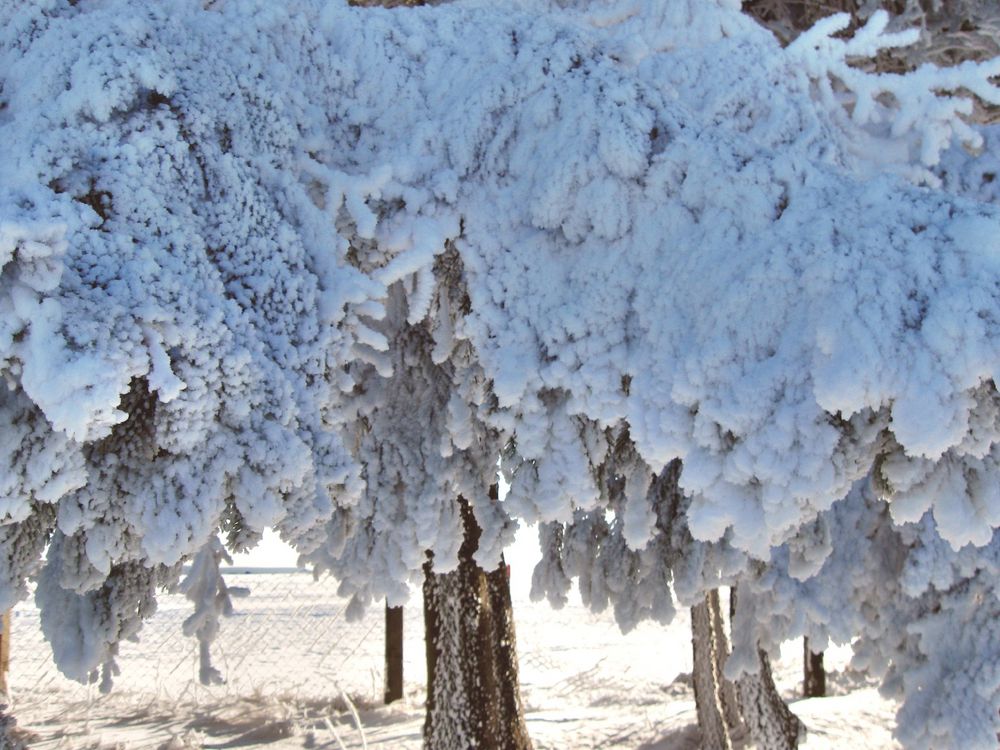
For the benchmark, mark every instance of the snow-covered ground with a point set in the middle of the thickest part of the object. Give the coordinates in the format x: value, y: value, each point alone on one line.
x: 288, y: 654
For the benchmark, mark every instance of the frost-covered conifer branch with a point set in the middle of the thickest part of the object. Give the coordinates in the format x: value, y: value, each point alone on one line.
x: 923, y: 106
x: 313, y: 267
x: 419, y: 433
x: 206, y: 588
x: 173, y: 310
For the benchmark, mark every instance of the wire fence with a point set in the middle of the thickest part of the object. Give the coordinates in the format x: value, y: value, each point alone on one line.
x: 288, y: 636
x: 299, y: 675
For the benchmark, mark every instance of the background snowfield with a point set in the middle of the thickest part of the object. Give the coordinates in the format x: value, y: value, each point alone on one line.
x: 288, y: 652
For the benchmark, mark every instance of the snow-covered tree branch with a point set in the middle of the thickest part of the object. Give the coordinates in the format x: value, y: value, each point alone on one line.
x: 314, y: 267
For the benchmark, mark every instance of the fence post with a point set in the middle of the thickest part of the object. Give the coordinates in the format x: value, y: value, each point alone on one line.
x: 393, y: 653
x: 813, y: 675
x: 4, y: 651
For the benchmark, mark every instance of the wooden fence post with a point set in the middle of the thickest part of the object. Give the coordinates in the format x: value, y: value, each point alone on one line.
x: 813, y: 674
x: 393, y: 653
x: 4, y: 651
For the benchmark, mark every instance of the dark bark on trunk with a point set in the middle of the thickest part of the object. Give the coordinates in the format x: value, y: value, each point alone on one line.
x: 707, y: 691
x: 767, y: 718
x: 771, y: 723
x: 813, y: 673
x: 505, y: 658
x: 393, y: 654
x: 730, y: 701
x: 715, y: 696
x: 473, y: 693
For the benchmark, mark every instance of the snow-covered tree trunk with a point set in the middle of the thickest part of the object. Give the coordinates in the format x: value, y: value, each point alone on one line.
x: 473, y: 692
x: 706, y: 671
x: 730, y: 701
x: 715, y: 696
x: 771, y: 723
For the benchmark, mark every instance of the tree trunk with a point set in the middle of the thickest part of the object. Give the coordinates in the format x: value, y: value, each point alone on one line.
x: 473, y: 693
x: 813, y: 672
x: 730, y: 701
x: 715, y: 696
x: 771, y: 723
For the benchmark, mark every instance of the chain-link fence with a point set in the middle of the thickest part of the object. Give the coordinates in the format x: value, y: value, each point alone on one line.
x: 298, y: 675
x: 288, y: 639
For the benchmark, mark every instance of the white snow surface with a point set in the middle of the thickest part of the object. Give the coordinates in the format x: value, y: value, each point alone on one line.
x: 314, y: 267
x: 597, y: 689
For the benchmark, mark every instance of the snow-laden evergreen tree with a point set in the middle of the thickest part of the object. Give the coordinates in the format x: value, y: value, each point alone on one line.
x: 429, y: 472
x: 312, y: 266
x: 594, y: 546
x: 175, y: 313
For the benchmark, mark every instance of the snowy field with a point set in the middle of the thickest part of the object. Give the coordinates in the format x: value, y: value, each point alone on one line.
x: 288, y: 653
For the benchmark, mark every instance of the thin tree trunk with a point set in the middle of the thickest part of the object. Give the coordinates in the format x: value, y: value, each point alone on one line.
x: 730, y: 701
x: 473, y: 693
x: 715, y: 696
x: 813, y: 672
